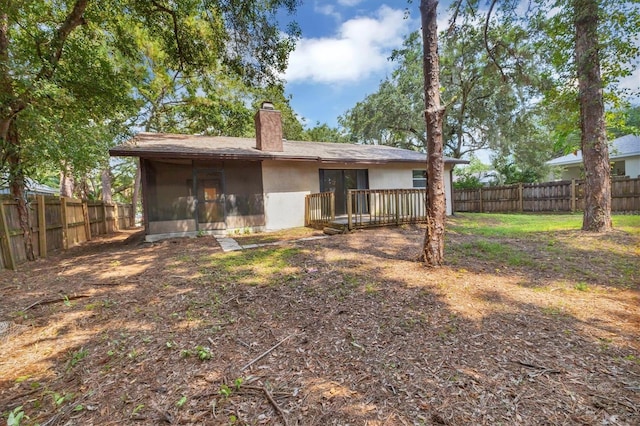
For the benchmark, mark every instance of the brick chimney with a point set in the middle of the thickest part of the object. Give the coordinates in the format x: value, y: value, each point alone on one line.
x: 268, y: 128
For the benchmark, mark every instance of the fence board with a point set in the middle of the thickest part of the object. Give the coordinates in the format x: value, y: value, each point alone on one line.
x: 56, y: 220
x: 562, y: 196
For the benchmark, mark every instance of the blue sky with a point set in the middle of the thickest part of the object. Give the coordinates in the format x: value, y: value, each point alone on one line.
x: 343, y: 53
x: 344, y: 50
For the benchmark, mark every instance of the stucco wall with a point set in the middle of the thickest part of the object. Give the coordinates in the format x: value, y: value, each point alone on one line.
x: 286, y: 184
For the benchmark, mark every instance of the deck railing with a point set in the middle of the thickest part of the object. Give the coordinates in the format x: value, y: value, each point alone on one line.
x: 320, y: 209
x: 376, y: 207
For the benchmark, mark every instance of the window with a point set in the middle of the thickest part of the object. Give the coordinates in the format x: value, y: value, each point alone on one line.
x: 618, y: 169
x: 419, y: 178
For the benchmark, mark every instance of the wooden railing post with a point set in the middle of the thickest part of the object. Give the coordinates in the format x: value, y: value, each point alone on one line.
x: 349, y: 210
x: 65, y: 223
x: 480, y: 199
x: 573, y: 195
x: 332, y: 205
x: 42, y: 225
x: 5, y: 238
x: 306, y: 210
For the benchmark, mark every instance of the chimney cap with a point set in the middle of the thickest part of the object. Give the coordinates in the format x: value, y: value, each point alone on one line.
x: 267, y: 105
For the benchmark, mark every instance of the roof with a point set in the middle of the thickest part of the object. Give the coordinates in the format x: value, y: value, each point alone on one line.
x: 165, y: 145
x: 32, y: 187
x: 622, y: 147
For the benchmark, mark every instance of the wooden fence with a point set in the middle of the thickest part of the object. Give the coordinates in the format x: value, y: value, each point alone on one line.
x: 562, y: 196
x: 56, y: 223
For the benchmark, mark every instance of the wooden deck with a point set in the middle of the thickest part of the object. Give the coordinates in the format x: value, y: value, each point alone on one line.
x: 366, y: 208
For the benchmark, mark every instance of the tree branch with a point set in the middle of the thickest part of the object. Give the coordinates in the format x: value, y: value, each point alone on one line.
x: 486, y: 40
x: 74, y: 19
x: 176, y: 33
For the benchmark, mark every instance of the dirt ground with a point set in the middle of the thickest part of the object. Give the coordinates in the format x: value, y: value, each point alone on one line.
x: 347, y: 330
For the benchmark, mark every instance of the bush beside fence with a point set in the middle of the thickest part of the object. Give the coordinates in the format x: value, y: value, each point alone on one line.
x: 562, y: 196
x: 56, y: 223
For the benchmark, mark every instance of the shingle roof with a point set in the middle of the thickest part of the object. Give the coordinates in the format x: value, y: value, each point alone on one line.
x: 622, y: 147
x: 164, y: 145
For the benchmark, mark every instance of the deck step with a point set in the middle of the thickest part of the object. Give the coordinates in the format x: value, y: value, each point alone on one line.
x: 333, y: 230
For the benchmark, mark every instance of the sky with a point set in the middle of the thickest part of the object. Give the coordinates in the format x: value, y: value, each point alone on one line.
x: 343, y: 53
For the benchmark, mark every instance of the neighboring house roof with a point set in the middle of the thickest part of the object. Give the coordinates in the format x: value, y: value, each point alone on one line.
x: 622, y: 147
x: 33, y: 187
x: 164, y: 145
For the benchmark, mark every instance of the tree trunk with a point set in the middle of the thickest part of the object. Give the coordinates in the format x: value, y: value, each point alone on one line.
x: 595, y: 150
x: 17, y: 184
x: 105, y: 177
x: 66, y: 184
x: 433, y: 248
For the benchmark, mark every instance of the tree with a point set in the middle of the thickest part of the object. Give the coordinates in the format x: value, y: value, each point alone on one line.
x: 325, y: 133
x: 624, y: 121
x: 485, y: 107
x: 70, y: 71
x: 595, y: 150
x: 433, y: 247
x: 592, y: 42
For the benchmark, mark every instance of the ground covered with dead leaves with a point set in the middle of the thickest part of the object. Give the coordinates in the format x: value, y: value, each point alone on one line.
x: 347, y: 330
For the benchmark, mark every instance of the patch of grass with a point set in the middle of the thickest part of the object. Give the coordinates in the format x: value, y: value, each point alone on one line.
x: 496, y: 252
x: 627, y: 223
x: 512, y: 225
x: 553, y: 311
x: 254, y: 267
x: 581, y: 286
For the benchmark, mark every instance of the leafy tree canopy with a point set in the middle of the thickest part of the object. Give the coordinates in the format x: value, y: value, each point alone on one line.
x: 486, y: 107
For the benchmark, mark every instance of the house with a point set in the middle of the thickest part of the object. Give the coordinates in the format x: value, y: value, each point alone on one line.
x: 624, y: 154
x: 194, y: 184
x: 32, y: 188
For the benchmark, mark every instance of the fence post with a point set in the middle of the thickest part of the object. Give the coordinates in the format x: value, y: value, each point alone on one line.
x: 65, y: 224
x: 397, y: 201
x: 6, y: 239
x: 480, y: 194
x: 573, y: 195
x: 520, y: 198
x: 116, y: 224
x: 87, y: 222
x: 42, y: 225
x: 104, y: 217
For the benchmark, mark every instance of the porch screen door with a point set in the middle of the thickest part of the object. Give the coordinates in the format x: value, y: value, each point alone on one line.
x: 210, y: 199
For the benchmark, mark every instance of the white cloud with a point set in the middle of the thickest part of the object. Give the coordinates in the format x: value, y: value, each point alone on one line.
x: 360, y: 47
x: 349, y: 3
x: 327, y: 9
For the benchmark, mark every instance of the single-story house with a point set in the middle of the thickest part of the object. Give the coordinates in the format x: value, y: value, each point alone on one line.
x: 624, y: 154
x: 32, y: 188
x: 194, y: 184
